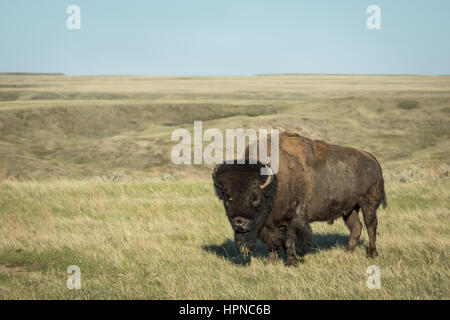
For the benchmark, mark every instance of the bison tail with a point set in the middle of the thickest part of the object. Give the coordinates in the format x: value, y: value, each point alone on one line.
x: 383, y: 195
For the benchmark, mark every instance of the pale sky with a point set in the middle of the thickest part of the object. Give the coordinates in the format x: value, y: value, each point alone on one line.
x: 226, y: 37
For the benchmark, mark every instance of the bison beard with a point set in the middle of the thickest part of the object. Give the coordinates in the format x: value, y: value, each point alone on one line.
x: 316, y: 181
x: 245, y: 242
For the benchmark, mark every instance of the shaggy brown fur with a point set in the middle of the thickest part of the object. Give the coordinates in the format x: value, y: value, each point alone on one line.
x: 316, y: 181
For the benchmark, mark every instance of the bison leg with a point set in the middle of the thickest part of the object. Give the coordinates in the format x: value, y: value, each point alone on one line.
x: 370, y: 220
x: 355, y: 226
x: 273, y: 239
x: 369, y: 206
x: 273, y: 256
x: 303, y: 242
x: 289, y: 247
x: 298, y: 240
x: 274, y: 253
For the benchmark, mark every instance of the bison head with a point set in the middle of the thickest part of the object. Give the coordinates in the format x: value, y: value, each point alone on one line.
x: 248, y: 198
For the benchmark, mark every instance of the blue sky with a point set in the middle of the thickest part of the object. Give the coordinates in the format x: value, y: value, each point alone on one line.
x: 226, y: 37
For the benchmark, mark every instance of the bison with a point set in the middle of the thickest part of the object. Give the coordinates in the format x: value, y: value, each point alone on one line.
x: 316, y: 181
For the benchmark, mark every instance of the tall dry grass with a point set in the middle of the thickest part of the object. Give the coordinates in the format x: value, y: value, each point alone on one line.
x: 86, y: 179
x: 171, y: 240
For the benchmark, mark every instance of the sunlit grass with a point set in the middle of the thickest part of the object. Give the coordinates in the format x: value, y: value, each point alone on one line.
x: 173, y: 241
x: 86, y: 179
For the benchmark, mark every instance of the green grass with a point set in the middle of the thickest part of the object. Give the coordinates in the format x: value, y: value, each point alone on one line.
x: 86, y: 179
x: 162, y: 240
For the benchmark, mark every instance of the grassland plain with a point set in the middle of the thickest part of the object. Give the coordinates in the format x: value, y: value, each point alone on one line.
x: 86, y: 180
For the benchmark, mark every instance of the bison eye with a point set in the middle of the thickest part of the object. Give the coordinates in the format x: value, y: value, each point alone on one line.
x: 255, y: 201
x: 227, y: 201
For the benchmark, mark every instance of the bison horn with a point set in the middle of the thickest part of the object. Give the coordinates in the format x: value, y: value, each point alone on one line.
x: 269, y: 178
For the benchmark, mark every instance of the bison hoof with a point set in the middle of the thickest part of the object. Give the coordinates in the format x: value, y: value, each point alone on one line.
x: 292, y: 262
x: 372, y: 253
x: 273, y: 257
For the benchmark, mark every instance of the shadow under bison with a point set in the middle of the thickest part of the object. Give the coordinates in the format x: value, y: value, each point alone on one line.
x: 320, y: 242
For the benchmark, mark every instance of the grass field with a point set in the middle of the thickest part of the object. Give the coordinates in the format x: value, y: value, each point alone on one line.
x: 86, y: 179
